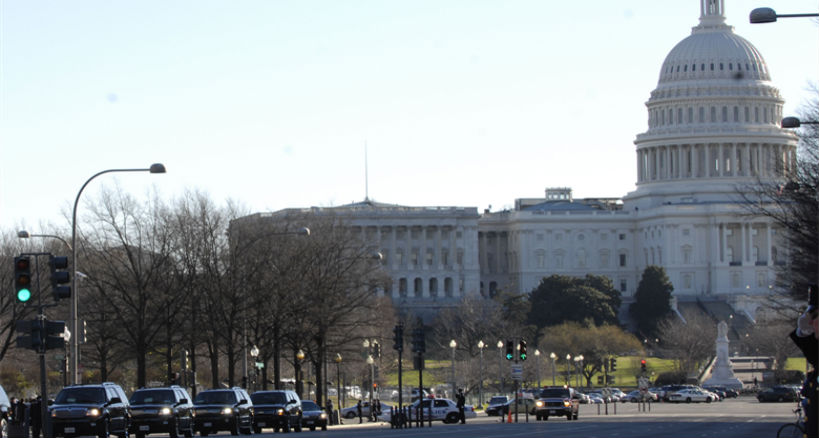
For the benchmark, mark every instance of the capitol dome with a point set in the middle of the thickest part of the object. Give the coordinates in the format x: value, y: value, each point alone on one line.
x: 713, y: 119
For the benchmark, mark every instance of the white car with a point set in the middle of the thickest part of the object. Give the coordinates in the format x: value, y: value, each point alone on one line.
x: 443, y: 410
x: 692, y: 395
x: 637, y: 396
x: 352, y: 411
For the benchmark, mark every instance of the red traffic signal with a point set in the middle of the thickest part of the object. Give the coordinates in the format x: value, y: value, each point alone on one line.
x: 643, y: 364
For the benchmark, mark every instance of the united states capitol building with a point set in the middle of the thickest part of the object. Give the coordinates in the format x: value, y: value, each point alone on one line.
x: 713, y: 131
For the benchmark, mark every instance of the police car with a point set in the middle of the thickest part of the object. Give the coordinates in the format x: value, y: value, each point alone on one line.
x: 442, y: 410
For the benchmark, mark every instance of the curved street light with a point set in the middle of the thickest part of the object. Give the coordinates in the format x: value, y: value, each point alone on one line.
x: 500, y: 364
x: 481, y: 346
x: 75, y: 294
x: 453, y: 345
x: 768, y: 15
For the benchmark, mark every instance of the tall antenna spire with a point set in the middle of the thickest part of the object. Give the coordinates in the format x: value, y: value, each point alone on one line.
x: 366, y: 175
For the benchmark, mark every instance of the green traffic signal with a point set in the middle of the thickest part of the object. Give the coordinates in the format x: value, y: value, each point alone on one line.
x: 23, y: 295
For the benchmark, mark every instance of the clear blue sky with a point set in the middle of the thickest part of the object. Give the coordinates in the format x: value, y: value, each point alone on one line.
x: 271, y: 103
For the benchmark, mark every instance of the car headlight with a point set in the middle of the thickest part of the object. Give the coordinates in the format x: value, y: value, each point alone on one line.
x: 280, y: 411
x: 92, y: 412
x: 227, y: 411
x: 567, y: 403
x: 539, y: 404
x: 323, y: 416
x: 165, y: 411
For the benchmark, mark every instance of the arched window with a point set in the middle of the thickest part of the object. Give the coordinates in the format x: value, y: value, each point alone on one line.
x: 418, y: 288
x: 433, y: 287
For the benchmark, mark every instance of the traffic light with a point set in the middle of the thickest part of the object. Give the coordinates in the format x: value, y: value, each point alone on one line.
x: 29, y: 334
x: 418, y: 342
x: 398, y: 338
x: 643, y: 365
x: 522, y: 349
x: 54, y: 334
x: 376, y: 350
x: 59, y: 277
x: 22, y: 278
x: 613, y: 364
x: 510, y: 350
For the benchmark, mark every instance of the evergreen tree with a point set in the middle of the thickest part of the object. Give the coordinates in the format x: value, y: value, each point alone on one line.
x: 560, y: 298
x: 652, y: 300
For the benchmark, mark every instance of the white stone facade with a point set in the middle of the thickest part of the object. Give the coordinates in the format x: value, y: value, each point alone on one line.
x: 712, y: 133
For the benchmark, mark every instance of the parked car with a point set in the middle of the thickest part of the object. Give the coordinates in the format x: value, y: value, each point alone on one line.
x: 279, y: 409
x: 557, y: 401
x: 5, y: 407
x: 583, y: 398
x: 167, y: 410
x: 779, y: 393
x: 442, y: 410
x: 523, y: 405
x: 312, y: 415
x: 352, y: 411
x: 692, y: 395
x: 99, y: 409
x: 638, y: 396
x: 495, y: 403
x: 223, y: 409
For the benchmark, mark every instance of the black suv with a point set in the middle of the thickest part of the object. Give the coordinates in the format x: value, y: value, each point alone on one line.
x: 557, y: 400
x: 161, y: 410
x: 277, y: 409
x: 223, y: 409
x: 100, y: 410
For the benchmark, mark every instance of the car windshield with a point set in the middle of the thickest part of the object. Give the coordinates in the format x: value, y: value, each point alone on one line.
x: 80, y: 395
x: 215, y: 397
x: 557, y: 392
x: 307, y: 405
x: 268, y: 398
x: 152, y: 396
x: 497, y: 400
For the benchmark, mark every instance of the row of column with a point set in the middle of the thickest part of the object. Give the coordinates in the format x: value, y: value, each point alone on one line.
x: 714, y: 160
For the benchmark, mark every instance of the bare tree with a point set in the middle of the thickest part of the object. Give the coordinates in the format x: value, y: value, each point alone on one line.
x: 690, y: 342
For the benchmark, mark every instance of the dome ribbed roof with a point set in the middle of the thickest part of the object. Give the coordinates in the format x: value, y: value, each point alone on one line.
x: 710, y: 53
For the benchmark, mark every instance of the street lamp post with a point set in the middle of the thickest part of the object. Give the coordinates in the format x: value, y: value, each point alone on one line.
x: 75, y: 295
x: 568, y: 369
x: 453, y: 345
x: 338, y: 384
x: 254, y: 353
x: 481, y: 346
x: 553, y: 356
x: 371, y: 361
x: 299, y: 375
x: 500, y: 365
x: 537, y: 366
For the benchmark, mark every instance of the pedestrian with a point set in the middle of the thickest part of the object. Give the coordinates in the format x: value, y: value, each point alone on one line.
x: 461, y: 401
x: 377, y: 411
x: 35, y: 418
x: 805, y: 337
x: 358, y: 408
x: 330, y: 411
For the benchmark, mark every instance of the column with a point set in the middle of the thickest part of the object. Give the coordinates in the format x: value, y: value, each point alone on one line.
x: 708, y: 164
x: 695, y: 161
x: 768, y: 244
x: 721, y: 253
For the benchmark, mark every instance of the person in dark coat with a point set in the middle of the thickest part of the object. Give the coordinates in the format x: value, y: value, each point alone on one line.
x: 461, y: 402
x: 35, y: 417
x: 805, y: 337
x: 358, y: 409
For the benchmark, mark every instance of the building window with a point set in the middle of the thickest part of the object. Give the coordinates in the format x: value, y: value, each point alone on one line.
x: 540, y: 256
x: 460, y: 257
x: 622, y: 260
x: 433, y: 287
x: 621, y: 236
x: 418, y: 288
x: 402, y: 287
x: 430, y: 256
x: 686, y: 254
x: 623, y: 285
x: 604, y: 259
x: 445, y: 257
x: 399, y: 257
x: 559, y: 260
x: 414, y: 258
x: 448, y: 287
x: 688, y: 280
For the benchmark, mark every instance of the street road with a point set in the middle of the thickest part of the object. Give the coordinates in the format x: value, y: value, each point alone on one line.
x: 743, y: 417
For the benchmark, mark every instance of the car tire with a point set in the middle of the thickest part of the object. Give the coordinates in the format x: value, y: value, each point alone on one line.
x: 576, y: 414
x: 688, y: 400
x: 545, y: 418
x: 312, y: 428
x: 173, y: 429
x: 286, y: 426
x: 234, y: 426
x: 708, y: 400
x: 140, y: 435
x: 257, y: 430
x: 349, y: 415
x: 105, y: 429
x: 569, y: 416
x: 203, y: 433
x: 324, y: 426
x: 451, y: 418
